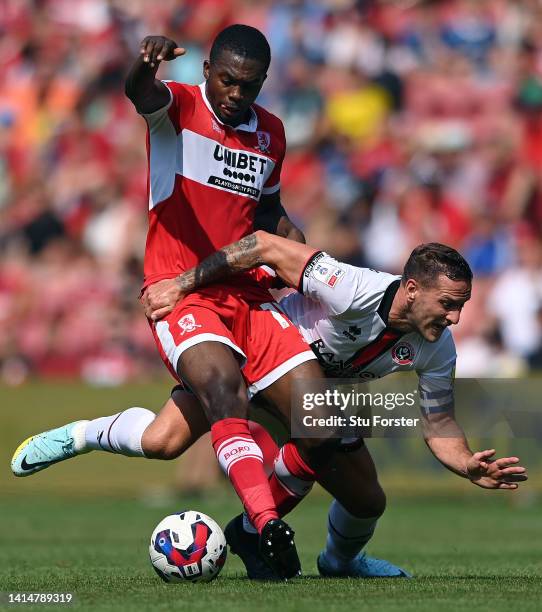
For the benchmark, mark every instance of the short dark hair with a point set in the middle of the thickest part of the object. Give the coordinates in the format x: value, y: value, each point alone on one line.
x: 428, y: 261
x: 242, y: 40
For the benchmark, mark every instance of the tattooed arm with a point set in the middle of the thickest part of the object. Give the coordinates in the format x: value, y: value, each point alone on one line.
x: 286, y: 257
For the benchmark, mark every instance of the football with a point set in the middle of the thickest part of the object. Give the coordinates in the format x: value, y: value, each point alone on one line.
x: 188, y: 547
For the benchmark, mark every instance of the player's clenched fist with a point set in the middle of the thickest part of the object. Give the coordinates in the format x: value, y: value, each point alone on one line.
x: 154, y: 49
x: 160, y: 299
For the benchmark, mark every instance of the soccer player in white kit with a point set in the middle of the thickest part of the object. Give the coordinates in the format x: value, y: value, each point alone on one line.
x: 360, y: 323
x: 366, y: 324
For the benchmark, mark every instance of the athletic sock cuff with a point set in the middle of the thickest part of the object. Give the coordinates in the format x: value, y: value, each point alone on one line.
x: 233, y: 442
x: 226, y: 428
x: 295, y: 464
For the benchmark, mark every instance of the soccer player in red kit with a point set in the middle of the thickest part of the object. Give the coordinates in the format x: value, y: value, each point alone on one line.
x: 214, y: 174
x: 214, y: 177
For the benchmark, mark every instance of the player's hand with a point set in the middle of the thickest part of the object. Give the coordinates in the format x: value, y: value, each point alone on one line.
x: 489, y: 473
x: 161, y: 298
x: 154, y: 49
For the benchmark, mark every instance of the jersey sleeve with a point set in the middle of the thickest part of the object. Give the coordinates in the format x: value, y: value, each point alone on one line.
x: 330, y: 282
x: 272, y: 185
x: 343, y: 289
x: 436, y: 376
x: 176, y: 111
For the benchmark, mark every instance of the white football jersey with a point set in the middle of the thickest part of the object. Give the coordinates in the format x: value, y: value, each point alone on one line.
x: 342, y: 312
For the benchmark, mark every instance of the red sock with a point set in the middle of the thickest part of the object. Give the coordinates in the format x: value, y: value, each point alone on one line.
x: 267, y: 445
x: 241, y: 459
x: 291, y: 480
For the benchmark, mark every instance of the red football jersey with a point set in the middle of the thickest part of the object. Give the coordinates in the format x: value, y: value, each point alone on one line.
x: 205, y: 179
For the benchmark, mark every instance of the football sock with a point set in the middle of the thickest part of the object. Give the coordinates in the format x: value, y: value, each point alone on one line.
x: 291, y: 479
x: 241, y: 460
x: 267, y: 445
x: 346, y: 535
x: 269, y: 451
x: 120, y: 433
x: 78, y: 434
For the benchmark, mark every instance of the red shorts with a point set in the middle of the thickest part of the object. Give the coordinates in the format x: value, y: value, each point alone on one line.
x: 266, y: 342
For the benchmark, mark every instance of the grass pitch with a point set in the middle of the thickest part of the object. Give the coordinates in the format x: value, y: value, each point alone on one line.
x: 83, y: 527
x: 480, y: 556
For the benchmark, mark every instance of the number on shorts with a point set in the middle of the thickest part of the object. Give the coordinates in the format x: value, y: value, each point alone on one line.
x: 283, y: 321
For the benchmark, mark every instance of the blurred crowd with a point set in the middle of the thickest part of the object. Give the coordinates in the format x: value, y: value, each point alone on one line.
x: 407, y: 121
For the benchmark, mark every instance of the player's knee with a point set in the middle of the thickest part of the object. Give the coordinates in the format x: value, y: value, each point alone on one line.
x: 165, y: 450
x: 161, y: 443
x: 225, y: 398
x: 375, y: 505
x: 369, y: 504
x: 317, y: 451
x: 324, y: 446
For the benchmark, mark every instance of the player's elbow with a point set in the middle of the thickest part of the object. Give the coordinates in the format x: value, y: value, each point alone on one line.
x: 128, y: 89
x: 133, y: 94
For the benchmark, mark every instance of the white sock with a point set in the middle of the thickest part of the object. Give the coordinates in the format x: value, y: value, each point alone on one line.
x: 120, y: 433
x: 346, y: 535
x: 78, y: 434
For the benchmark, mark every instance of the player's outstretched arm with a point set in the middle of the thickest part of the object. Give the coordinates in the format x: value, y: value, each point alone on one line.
x: 146, y: 92
x: 286, y: 257
x: 447, y: 442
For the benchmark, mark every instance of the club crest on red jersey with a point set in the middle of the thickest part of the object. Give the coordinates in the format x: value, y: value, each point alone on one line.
x: 264, y: 140
x: 188, y: 324
x: 216, y: 127
x: 403, y: 353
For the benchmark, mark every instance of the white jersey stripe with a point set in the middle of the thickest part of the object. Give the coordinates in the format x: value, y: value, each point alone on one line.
x: 164, y: 155
x: 210, y: 163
